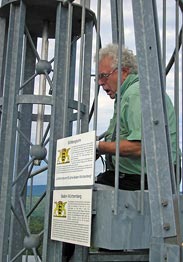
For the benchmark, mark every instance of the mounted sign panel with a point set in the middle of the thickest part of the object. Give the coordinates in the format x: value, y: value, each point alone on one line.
x: 72, y: 208
x: 71, y: 216
x: 75, y: 159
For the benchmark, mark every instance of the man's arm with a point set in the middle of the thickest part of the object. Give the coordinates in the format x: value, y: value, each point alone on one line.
x: 126, y: 149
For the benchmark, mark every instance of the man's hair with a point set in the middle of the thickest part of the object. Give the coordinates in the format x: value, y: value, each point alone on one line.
x: 128, y: 58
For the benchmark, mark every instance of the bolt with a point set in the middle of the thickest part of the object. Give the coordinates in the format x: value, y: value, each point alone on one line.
x: 156, y: 122
x: 164, y: 203
x: 166, y: 226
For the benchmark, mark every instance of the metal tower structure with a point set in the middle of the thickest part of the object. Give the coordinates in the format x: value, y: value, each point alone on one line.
x: 46, y: 54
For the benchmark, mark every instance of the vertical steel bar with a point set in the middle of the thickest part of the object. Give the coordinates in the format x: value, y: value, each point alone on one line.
x: 67, y: 69
x: 115, y: 21
x: 97, y: 62
x: 176, y: 90
x: 52, y: 250
x: 42, y: 86
x: 142, y: 178
x: 3, y: 40
x: 80, y: 87
x: 86, y: 74
x: 72, y: 83
x: 8, y: 132
x: 162, y: 87
x: 153, y: 117
x: 118, y: 112
x: 182, y: 103
x: 164, y: 41
x: 24, y: 127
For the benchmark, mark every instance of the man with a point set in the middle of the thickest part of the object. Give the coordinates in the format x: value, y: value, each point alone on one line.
x: 130, y: 119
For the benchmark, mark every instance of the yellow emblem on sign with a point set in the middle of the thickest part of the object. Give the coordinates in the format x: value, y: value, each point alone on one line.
x: 60, y: 209
x: 63, y: 156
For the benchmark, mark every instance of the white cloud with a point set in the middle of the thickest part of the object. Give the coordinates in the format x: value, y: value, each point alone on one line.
x: 106, y: 37
x: 105, y: 105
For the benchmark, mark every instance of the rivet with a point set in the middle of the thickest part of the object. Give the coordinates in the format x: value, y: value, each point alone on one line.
x: 164, y: 203
x: 156, y: 122
x: 166, y: 226
x: 126, y: 205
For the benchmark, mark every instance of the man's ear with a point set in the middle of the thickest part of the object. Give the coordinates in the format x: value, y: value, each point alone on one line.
x: 125, y: 72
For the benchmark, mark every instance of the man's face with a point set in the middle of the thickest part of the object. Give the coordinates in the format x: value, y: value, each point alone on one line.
x: 108, y: 77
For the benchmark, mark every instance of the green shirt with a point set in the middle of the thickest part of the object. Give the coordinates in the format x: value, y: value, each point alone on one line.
x: 130, y: 124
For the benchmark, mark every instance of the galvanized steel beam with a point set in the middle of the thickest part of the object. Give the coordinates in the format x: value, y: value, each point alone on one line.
x: 165, y: 220
x: 9, y: 118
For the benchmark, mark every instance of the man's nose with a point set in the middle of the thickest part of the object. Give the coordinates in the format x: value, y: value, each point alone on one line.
x: 100, y: 82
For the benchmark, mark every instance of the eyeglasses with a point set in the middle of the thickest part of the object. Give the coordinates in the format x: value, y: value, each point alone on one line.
x: 105, y: 76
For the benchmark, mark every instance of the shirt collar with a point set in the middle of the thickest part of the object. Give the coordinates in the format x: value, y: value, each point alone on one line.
x: 131, y: 79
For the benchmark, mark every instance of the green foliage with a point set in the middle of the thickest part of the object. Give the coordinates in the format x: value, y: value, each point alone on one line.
x: 39, y: 211
x: 36, y: 219
x: 36, y: 224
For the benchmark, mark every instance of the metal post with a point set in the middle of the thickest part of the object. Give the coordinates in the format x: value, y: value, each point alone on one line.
x: 9, y: 116
x: 117, y: 21
x: 153, y: 116
x: 42, y: 86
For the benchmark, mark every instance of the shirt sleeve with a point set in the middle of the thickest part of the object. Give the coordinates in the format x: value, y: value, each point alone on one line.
x: 132, y: 117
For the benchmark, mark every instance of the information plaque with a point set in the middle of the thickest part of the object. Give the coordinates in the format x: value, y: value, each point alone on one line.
x: 72, y: 204
x: 75, y: 158
x: 71, y: 216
